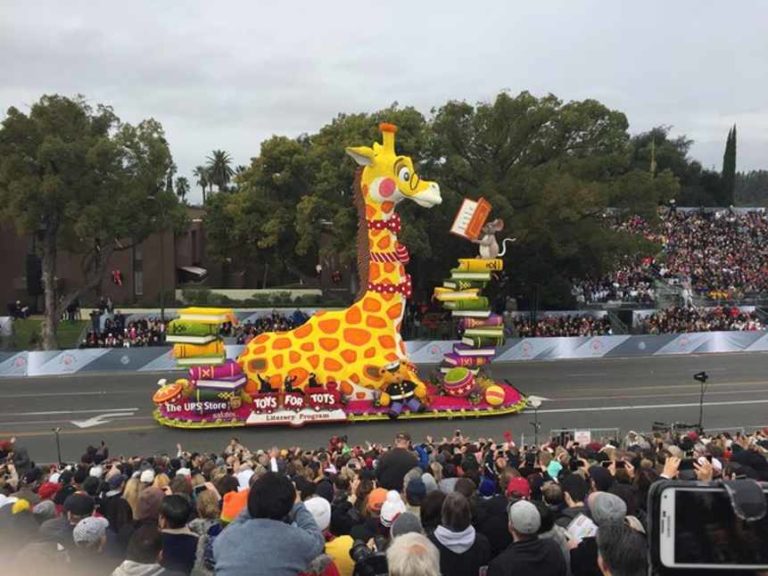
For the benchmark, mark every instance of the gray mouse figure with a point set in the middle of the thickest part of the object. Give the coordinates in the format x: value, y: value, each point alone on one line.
x: 489, y: 246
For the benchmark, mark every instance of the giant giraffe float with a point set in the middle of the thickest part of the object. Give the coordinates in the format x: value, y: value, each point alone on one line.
x: 343, y: 364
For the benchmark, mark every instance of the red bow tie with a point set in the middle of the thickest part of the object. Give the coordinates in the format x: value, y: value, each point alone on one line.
x: 392, y: 224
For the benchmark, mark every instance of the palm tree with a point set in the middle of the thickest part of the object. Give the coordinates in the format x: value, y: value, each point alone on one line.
x: 220, y: 169
x: 201, y: 173
x: 182, y: 188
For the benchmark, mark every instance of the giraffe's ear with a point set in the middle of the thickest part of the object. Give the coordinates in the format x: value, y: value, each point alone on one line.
x: 363, y: 155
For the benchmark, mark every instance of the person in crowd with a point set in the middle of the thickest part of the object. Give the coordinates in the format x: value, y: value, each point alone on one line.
x: 603, y: 508
x: 179, y: 542
x: 59, y: 530
x: 88, y: 555
x: 395, y: 463
x: 264, y: 540
x: 528, y: 554
x: 621, y: 550
x: 574, y: 489
x: 143, y: 555
x: 413, y: 554
x: 462, y: 549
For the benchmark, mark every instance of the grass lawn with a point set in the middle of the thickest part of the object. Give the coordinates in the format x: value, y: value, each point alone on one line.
x: 26, y: 333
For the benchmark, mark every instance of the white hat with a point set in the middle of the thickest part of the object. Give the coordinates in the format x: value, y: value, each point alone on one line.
x: 90, y: 530
x: 147, y: 477
x: 96, y: 471
x: 392, y: 507
x: 184, y: 472
x: 244, y: 479
x: 5, y: 500
x: 320, y: 509
x: 54, y: 478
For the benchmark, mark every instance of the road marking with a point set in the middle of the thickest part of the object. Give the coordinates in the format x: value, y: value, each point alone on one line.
x: 647, y: 406
x: 56, y: 421
x: 47, y: 395
x: 85, y: 431
x: 100, y: 419
x: 54, y: 412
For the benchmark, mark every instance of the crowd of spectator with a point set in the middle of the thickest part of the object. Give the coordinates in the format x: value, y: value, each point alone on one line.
x: 722, y: 254
x: 690, y: 319
x: 451, y: 506
x: 274, y: 322
x: 563, y: 325
x: 115, y: 331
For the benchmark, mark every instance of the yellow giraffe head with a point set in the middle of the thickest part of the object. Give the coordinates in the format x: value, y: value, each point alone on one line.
x: 388, y: 179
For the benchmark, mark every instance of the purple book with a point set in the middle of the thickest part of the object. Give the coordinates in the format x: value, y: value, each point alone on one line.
x: 465, y: 350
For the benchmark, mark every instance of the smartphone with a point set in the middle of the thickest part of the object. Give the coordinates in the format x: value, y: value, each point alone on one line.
x: 620, y: 464
x: 575, y: 464
x: 606, y: 463
x: 698, y: 529
x: 200, y: 488
x: 687, y: 464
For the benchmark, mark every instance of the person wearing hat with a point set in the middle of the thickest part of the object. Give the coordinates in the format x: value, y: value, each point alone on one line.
x: 88, y: 556
x: 395, y: 463
x: 462, y: 549
x: 324, y: 564
x: 113, y: 506
x: 415, y: 492
x: 76, y: 507
x: 528, y: 554
x: 604, y: 508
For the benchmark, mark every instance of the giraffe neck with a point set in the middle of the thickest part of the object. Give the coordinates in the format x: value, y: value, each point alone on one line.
x: 383, y: 266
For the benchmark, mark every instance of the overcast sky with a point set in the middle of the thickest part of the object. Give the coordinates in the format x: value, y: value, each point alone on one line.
x: 230, y: 74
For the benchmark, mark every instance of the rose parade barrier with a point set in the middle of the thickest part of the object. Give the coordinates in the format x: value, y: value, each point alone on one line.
x: 155, y: 359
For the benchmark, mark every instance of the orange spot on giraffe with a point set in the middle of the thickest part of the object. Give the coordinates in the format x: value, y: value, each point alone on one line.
x: 387, y: 206
x: 353, y: 315
x: 281, y: 343
x: 259, y: 350
x: 261, y: 338
x: 387, y: 297
x: 384, y: 243
x: 395, y: 311
x: 372, y: 372
x: 371, y: 305
x: 276, y: 381
x: 356, y: 336
x: 375, y: 322
x: 300, y: 374
x: 355, y: 378
x: 370, y: 212
x: 257, y: 365
x: 370, y: 353
x: 303, y: 331
x: 349, y: 356
x: 293, y: 357
x: 329, y: 344
x: 391, y: 357
x: 329, y: 326
x: 251, y: 387
x: 387, y: 341
x: 308, y: 347
x: 374, y: 272
x: 332, y: 365
x: 389, y: 267
x: 277, y: 361
x: 314, y: 361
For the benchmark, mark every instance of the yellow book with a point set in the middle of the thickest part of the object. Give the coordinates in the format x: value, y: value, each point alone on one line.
x: 193, y: 350
x: 205, y: 315
x: 480, y: 265
x: 447, y: 295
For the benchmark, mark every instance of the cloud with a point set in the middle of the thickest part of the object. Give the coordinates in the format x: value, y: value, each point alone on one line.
x: 230, y: 74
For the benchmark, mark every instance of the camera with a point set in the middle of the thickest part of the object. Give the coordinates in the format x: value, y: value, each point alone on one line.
x: 369, y: 562
x: 704, y: 526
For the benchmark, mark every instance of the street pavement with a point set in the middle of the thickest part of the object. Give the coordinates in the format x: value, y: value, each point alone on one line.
x: 628, y: 394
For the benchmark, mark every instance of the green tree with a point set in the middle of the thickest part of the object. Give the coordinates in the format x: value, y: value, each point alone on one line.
x: 83, y: 183
x: 220, y: 170
x: 202, y: 179
x: 729, y: 168
x: 751, y: 188
x: 182, y: 188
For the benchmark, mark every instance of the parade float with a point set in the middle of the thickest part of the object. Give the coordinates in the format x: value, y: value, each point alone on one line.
x: 351, y: 365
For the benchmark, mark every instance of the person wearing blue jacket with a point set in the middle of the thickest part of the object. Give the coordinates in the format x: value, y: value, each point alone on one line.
x: 276, y: 535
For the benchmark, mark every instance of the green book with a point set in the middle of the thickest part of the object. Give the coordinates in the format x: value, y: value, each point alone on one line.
x: 463, y: 284
x: 457, y: 274
x: 491, y: 332
x: 213, y: 360
x: 482, y: 341
x: 188, y: 328
x: 479, y: 303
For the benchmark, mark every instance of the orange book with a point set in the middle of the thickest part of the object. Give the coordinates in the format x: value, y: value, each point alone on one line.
x: 471, y: 218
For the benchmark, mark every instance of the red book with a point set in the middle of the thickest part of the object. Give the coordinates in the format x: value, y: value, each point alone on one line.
x: 227, y: 370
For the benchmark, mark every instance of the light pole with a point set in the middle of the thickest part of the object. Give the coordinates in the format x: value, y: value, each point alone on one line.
x: 58, y: 442
x: 535, y: 402
x: 702, y: 378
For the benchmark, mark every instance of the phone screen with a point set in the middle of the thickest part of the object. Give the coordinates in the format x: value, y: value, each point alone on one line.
x: 699, y: 529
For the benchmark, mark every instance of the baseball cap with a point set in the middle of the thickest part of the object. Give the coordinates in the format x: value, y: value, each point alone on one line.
x: 116, y: 481
x: 79, y: 504
x: 520, y: 486
x: 392, y: 507
x: 403, y: 436
x: 90, y: 530
x: 406, y: 523
x: 147, y: 476
x: 606, y: 507
x: 320, y: 509
x: 48, y: 490
x: 524, y: 517
x: 376, y: 499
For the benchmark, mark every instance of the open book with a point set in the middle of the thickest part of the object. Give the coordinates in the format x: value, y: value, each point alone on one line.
x: 470, y: 218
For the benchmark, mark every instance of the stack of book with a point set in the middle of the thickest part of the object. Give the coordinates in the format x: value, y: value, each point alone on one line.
x: 221, y: 382
x: 481, y: 331
x: 195, y: 335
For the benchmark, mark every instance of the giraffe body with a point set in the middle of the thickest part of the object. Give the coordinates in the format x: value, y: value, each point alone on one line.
x: 351, y: 346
